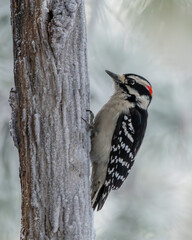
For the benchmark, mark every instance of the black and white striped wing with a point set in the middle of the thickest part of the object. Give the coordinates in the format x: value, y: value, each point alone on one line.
x: 122, y: 152
x: 126, y: 140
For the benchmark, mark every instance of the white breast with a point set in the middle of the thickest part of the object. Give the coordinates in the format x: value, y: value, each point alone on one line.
x: 105, y: 124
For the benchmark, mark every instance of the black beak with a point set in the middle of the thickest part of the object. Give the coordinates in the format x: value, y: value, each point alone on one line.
x: 114, y: 76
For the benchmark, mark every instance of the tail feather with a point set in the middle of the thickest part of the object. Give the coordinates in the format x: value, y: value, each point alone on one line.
x: 100, y: 198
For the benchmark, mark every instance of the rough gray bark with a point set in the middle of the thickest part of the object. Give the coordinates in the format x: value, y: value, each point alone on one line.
x: 51, y: 95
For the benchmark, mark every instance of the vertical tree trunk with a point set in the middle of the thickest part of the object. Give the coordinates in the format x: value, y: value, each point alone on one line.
x: 50, y: 97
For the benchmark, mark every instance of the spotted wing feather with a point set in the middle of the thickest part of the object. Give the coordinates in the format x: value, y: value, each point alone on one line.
x: 126, y: 140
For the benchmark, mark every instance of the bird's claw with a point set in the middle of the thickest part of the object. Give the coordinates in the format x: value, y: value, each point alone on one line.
x: 90, y: 121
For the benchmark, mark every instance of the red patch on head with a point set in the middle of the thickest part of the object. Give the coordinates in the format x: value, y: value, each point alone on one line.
x: 150, y: 90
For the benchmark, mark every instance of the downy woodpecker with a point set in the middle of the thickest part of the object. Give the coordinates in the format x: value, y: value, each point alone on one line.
x: 118, y: 131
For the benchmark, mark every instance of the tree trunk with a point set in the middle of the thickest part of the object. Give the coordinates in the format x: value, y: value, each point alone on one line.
x: 50, y: 98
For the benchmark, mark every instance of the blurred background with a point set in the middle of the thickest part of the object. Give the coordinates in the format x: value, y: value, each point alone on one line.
x: 152, y: 38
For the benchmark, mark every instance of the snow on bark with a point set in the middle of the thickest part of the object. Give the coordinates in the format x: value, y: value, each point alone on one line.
x: 52, y: 89
x: 13, y: 100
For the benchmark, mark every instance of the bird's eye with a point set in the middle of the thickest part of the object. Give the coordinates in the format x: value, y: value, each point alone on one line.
x: 131, y: 82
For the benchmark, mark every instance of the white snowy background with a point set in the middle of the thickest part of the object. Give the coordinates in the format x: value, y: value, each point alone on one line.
x: 152, y: 38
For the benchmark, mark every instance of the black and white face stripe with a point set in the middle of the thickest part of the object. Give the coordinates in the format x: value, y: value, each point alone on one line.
x: 140, y: 85
x: 134, y: 86
x: 141, y: 90
x: 135, y: 76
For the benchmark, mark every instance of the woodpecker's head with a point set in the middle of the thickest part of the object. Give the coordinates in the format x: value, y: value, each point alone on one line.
x: 136, y: 88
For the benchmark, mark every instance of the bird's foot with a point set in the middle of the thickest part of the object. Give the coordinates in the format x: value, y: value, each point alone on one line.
x: 91, y: 119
